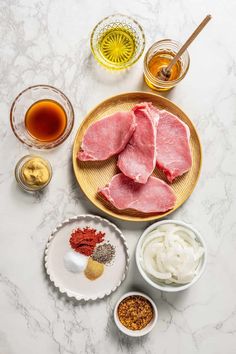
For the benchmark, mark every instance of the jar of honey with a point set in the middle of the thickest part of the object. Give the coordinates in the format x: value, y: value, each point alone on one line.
x: 159, y: 56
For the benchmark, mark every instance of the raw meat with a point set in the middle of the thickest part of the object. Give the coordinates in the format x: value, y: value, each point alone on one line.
x: 138, y: 159
x: 107, y: 137
x: 173, y: 149
x: 153, y: 197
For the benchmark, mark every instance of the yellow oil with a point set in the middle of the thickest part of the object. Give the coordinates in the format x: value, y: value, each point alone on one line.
x: 117, y: 45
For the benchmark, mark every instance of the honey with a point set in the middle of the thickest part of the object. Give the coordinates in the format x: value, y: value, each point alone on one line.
x: 161, y: 60
x: 158, y: 57
x: 117, y: 45
x: 46, y: 120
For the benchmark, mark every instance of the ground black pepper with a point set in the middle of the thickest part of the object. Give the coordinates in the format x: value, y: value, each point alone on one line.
x: 104, y: 253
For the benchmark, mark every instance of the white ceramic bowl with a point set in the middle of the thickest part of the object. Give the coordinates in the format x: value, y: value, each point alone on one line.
x: 145, y: 330
x: 170, y: 287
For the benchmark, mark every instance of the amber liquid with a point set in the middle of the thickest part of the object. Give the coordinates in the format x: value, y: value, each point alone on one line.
x: 161, y: 60
x: 46, y: 120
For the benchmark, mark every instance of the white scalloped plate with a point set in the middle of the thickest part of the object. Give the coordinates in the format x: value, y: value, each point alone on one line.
x: 76, y: 284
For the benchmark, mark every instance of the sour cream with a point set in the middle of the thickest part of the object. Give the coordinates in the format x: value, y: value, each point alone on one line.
x: 171, y: 254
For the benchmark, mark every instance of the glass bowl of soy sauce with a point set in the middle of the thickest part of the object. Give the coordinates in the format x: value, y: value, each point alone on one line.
x: 42, y: 117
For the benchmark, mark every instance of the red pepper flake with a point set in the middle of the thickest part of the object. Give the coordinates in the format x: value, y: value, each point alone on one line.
x: 84, y: 240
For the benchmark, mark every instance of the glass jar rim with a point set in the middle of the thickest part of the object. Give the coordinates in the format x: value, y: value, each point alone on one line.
x: 20, y: 181
x: 61, y: 139
x: 161, y: 82
x: 109, y: 65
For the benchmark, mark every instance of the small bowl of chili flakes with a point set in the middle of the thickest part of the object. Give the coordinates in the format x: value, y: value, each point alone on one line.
x: 135, y: 314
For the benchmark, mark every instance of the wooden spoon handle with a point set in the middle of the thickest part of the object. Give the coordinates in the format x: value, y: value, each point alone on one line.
x: 188, y: 42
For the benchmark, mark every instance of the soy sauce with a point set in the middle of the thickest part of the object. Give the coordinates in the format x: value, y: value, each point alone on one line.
x: 46, y: 120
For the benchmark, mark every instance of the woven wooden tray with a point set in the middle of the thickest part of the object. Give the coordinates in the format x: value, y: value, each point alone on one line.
x: 92, y: 175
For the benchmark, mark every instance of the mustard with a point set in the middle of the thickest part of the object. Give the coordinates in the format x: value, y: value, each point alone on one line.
x: 35, y: 172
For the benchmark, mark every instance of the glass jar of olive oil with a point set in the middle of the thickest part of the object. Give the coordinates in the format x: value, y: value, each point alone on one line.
x: 159, y: 56
x: 117, y: 42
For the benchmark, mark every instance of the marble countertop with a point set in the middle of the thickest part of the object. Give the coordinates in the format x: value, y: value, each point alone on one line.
x: 48, y: 42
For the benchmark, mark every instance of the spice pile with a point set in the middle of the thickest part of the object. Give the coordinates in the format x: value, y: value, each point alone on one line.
x: 87, y: 244
x: 104, y: 253
x: 94, y: 269
x: 85, y: 240
x: 135, y: 312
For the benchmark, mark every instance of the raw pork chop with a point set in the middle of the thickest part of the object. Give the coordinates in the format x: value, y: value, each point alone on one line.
x: 153, y: 197
x: 107, y: 137
x: 138, y: 159
x: 173, y: 149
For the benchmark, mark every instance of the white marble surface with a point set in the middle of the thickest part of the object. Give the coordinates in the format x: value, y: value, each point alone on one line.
x: 47, y: 41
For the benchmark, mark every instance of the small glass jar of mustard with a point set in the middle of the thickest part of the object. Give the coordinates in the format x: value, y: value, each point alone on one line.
x: 33, y: 173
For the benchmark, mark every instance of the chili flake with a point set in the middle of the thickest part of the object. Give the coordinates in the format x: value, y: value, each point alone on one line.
x: 135, y: 312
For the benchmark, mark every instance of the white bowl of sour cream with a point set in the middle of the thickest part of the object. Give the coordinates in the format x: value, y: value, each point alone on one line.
x: 171, y: 255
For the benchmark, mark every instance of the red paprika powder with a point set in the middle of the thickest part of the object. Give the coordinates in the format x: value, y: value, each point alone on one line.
x: 84, y: 240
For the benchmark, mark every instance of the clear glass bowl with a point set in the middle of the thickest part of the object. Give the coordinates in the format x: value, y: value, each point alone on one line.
x: 26, y: 99
x: 18, y: 173
x: 116, y: 22
x: 167, y: 45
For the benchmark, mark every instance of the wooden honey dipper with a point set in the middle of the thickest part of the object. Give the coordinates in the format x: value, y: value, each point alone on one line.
x: 164, y: 73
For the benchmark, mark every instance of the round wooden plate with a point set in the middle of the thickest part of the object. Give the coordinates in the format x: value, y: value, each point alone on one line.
x: 92, y: 175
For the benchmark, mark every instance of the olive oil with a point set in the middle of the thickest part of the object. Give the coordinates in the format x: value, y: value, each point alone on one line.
x: 46, y: 120
x: 161, y: 60
x: 117, y: 45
